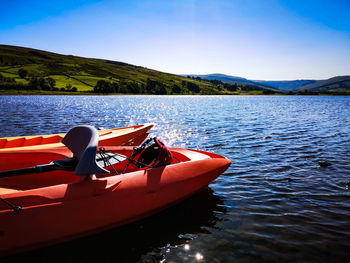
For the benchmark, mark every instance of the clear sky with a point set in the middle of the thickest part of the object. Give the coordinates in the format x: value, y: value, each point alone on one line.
x: 255, y: 39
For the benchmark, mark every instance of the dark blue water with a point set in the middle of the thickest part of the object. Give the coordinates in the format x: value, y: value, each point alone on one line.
x: 275, y: 202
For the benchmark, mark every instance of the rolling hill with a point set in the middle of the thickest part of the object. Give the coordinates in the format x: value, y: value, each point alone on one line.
x: 30, y: 69
x: 339, y: 84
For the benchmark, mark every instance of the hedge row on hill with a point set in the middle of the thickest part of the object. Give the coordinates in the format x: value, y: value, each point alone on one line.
x: 47, y: 84
x: 150, y: 87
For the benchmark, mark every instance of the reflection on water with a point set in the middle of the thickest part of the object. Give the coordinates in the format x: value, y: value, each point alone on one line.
x: 275, y: 202
x: 148, y: 240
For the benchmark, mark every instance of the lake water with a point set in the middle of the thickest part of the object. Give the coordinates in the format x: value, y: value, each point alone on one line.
x: 275, y: 203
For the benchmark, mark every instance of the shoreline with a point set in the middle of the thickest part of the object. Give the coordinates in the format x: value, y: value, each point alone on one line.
x: 65, y: 93
x: 129, y: 94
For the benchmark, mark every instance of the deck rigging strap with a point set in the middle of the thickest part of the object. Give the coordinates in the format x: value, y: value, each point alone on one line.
x: 109, y: 159
x: 135, y: 152
x: 15, y: 208
x: 152, y: 156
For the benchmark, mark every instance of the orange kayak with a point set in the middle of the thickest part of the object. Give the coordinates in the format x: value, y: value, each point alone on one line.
x: 131, y: 136
x: 58, y: 206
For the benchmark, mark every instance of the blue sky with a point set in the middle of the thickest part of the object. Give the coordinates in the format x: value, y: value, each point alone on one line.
x: 255, y: 39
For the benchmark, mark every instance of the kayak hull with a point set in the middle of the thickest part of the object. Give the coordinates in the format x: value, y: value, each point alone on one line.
x: 62, y: 212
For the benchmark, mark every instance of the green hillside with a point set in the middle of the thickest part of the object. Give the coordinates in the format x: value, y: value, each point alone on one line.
x: 31, y: 70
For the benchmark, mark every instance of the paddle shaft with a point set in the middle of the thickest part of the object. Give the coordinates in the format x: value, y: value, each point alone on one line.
x: 68, y: 164
x: 29, y: 170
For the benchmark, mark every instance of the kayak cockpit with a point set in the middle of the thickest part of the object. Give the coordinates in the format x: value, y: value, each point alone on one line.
x: 38, y: 180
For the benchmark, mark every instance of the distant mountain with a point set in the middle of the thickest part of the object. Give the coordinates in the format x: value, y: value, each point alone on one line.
x: 286, y: 85
x: 339, y: 84
x: 232, y: 80
x: 336, y: 85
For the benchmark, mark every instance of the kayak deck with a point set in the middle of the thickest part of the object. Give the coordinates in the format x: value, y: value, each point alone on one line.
x: 38, y: 180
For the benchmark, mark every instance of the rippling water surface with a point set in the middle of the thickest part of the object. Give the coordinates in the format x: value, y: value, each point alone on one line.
x: 275, y: 203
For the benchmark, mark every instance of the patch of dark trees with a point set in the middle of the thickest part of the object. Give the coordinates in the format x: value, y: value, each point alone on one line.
x: 38, y: 54
x: 150, y: 87
x: 117, y: 63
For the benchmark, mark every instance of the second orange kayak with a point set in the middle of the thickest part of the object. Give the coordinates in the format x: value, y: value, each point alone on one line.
x: 128, y: 136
